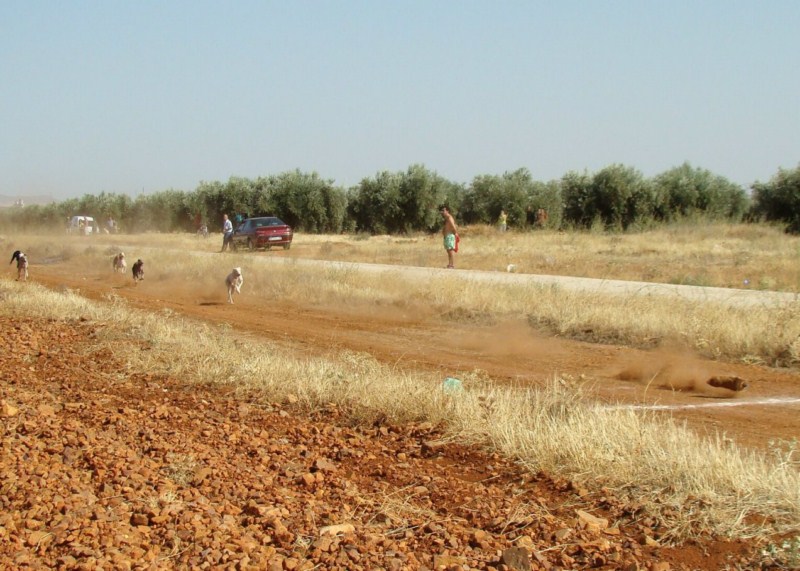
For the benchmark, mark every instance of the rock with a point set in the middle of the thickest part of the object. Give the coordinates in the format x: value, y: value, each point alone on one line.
x: 39, y: 538
x: 200, y: 475
x: 561, y: 535
x: 46, y: 410
x: 341, y: 528
x: 479, y: 537
x: 139, y: 520
x: 516, y: 558
x: 8, y: 410
x: 650, y: 542
x: 447, y: 561
x: 592, y: 521
x: 324, y: 542
x: 525, y: 541
x: 324, y: 465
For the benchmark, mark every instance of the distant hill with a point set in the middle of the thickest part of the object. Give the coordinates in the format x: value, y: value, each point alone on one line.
x: 6, y: 201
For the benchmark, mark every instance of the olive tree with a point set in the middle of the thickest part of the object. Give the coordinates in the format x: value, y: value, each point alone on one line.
x: 779, y: 199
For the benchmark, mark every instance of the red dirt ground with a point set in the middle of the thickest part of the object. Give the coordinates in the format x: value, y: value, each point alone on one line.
x: 105, y: 468
x: 508, y: 352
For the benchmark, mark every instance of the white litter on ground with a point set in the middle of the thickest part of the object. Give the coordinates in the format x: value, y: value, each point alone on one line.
x: 723, y: 404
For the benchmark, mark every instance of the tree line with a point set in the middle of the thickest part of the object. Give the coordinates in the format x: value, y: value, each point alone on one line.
x: 617, y: 197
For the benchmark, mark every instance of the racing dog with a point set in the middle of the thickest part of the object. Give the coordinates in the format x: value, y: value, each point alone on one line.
x: 234, y: 282
x: 22, y: 265
x: 138, y: 271
x: 119, y: 264
x: 735, y: 384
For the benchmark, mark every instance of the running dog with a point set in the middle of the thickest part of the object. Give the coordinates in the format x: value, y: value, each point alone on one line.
x: 22, y: 265
x: 119, y: 264
x: 234, y: 282
x: 735, y: 384
x: 138, y: 271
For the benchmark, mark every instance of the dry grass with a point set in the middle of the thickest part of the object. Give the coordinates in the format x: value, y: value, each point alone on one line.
x: 691, y: 481
x: 757, y: 334
x: 722, y: 255
x: 751, y: 256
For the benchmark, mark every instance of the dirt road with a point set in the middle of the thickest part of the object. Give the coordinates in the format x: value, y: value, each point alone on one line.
x: 673, y: 382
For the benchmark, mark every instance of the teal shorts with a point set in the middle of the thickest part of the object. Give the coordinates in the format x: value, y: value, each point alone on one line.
x: 450, y: 242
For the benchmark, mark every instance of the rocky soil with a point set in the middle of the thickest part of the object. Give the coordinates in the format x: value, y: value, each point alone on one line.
x: 106, y: 468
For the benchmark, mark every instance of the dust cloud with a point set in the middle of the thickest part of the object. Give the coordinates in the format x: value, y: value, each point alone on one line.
x: 509, y: 339
x: 674, y: 370
x: 208, y: 289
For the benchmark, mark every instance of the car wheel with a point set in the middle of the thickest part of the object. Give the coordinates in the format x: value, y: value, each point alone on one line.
x: 250, y: 245
x: 287, y: 246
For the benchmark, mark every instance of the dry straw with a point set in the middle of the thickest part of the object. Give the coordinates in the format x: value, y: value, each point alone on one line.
x: 768, y: 334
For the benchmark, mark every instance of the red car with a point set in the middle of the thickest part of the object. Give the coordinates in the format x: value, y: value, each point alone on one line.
x: 263, y: 232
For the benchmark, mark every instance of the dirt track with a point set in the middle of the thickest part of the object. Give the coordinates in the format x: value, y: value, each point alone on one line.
x: 508, y: 352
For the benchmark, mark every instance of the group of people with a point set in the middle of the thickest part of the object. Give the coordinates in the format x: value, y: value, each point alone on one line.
x: 86, y: 225
x: 227, y: 229
x: 449, y: 231
x: 537, y: 219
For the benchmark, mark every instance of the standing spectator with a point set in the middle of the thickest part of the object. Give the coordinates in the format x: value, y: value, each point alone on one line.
x: 503, y: 221
x: 450, y: 234
x: 227, y: 232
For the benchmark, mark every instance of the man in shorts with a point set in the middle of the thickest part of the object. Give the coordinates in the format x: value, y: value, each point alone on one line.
x: 450, y: 233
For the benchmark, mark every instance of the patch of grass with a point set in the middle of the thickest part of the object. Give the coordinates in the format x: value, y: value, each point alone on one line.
x: 181, y: 468
x: 783, y: 555
x: 717, y: 254
x: 695, y: 280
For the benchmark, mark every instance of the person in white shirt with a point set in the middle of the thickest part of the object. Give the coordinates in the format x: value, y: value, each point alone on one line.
x: 227, y: 232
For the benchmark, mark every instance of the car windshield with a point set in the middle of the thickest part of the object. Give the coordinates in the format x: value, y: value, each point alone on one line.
x: 263, y: 222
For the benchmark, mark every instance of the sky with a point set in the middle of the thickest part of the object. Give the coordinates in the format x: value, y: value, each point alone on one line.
x: 139, y: 97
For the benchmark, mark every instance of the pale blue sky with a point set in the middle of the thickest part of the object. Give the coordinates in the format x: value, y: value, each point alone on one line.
x: 126, y: 97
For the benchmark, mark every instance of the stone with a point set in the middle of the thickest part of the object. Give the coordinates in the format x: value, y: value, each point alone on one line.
x: 447, y: 561
x: 8, y: 410
x: 341, y: 528
x: 592, y: 521
x: 516, y: 558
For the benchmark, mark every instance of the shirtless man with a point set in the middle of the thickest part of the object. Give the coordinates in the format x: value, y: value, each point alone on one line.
x: 450, y: 233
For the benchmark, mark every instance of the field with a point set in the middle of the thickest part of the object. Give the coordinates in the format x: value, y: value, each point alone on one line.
x: 565, y: 403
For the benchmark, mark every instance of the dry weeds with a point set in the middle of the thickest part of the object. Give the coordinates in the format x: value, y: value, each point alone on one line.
x: 756, y: 334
